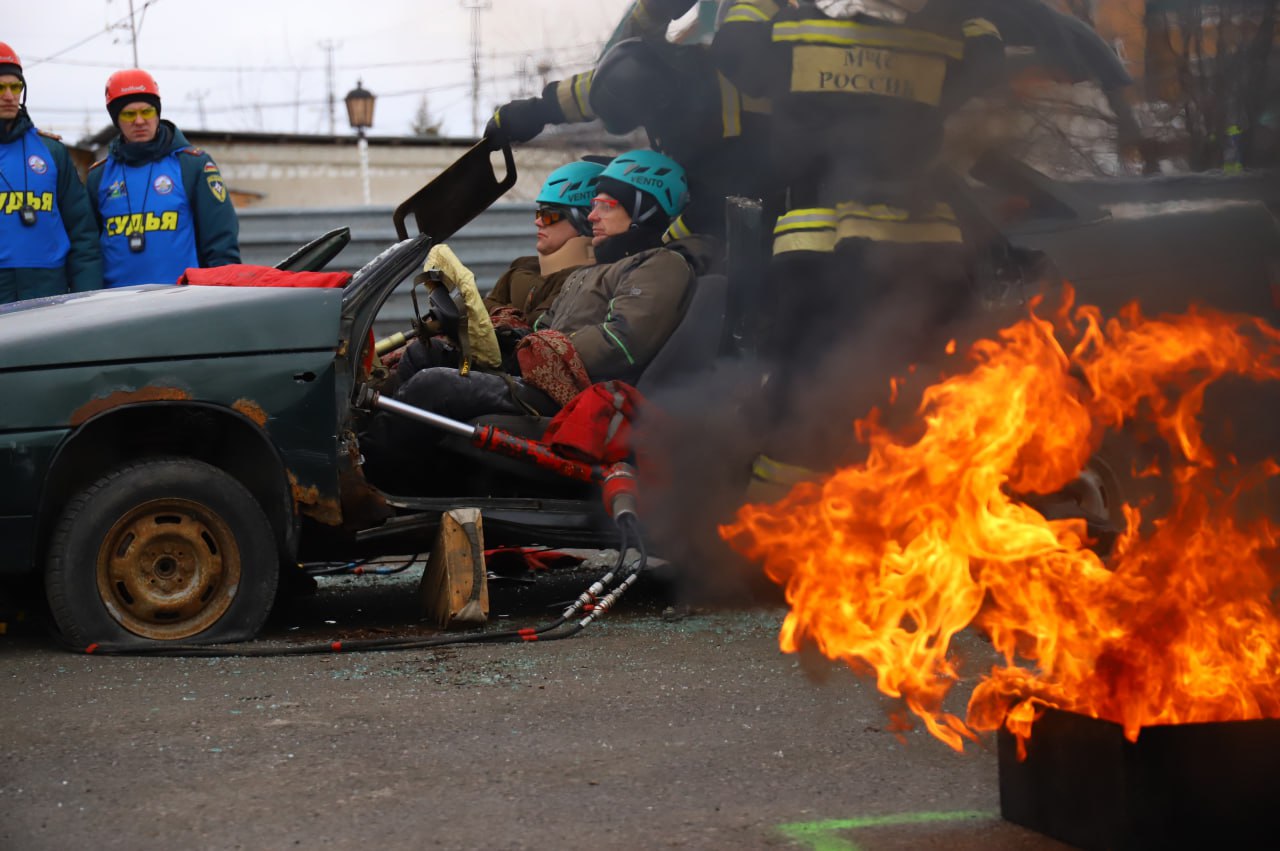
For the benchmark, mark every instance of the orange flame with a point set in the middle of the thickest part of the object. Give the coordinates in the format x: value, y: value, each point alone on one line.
x: 884, y: 562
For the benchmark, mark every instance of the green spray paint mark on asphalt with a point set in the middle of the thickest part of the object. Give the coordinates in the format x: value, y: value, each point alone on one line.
x: 821, y: 835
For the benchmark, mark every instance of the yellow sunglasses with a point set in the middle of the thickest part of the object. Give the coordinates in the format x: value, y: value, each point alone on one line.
x: 146, y: 114
x: 12, y: 88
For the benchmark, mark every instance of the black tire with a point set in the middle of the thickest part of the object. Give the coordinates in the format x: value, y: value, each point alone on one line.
x: 195, y: 558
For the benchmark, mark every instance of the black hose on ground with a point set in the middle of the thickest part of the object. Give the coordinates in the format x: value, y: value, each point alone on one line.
x: 589, y: 601
x: 356, y: 568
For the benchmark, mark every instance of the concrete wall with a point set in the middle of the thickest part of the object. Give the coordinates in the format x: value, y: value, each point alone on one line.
x: 327, y: 174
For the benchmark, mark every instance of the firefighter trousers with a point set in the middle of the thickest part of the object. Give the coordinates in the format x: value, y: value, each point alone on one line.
x: 850, y: 314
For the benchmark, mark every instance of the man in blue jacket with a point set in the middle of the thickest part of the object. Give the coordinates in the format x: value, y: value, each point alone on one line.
x: 47, y: 243
x: 161, y: 203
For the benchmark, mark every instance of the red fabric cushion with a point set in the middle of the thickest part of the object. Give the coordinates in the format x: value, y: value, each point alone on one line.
x: 596, y: 425
x: 246, y: 275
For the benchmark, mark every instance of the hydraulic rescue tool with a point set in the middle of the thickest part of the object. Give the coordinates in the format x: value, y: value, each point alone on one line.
x: 617, y: 481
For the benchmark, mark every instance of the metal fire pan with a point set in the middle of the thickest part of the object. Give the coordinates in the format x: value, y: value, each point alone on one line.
x: 1212, y: 785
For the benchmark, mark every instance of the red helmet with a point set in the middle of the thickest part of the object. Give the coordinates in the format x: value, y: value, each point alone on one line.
x: 130, y: 83
x: 9, y: 56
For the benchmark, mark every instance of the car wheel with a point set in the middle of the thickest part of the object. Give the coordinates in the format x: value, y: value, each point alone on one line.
x: 167, y: 549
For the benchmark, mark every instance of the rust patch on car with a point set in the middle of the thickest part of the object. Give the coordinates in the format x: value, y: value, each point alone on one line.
x: 363, y: 505
x: 311, y: 504
x: 252, y: 410
x: 126, y: 397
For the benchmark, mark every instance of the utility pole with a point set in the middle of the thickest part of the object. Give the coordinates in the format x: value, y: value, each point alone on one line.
x: 198, y: 97
x: 329, y: 46
x: 133, y: 27
x: 133, y: 35
x: 475, y: 7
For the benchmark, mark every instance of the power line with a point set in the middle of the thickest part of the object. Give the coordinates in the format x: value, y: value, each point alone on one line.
x: 248, y: 106
x: 268, y: 69
x: 323, y: 101
x: 489, y: 83
x: 108, y: 28
x: 423, y: 90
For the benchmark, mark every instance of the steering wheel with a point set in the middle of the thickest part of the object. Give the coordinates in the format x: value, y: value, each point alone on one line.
x: 442, y: 309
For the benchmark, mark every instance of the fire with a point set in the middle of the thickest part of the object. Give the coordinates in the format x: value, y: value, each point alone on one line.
x: 884, y: 562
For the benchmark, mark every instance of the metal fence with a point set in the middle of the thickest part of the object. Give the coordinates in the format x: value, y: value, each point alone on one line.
x: 487, y: 245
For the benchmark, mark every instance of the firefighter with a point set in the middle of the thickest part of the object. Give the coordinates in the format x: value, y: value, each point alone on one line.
x: 650, y: 18
x: 694, y: 114
x: 688, y: 110
x: 161, y: 203
x: 565, y: 101
x: 47, y: 237
x: 866, y: 248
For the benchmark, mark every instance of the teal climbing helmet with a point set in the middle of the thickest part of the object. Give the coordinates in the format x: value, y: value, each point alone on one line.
x: 654, y: 174
x: 572, y: 187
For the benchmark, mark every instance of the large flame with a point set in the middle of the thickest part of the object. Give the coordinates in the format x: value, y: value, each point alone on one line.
x: 886, y: 561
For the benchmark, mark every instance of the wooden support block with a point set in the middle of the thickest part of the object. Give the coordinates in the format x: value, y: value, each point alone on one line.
x: 454, y: 591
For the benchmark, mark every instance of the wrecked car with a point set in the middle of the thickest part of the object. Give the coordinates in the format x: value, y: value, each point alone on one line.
x: 171, y: 454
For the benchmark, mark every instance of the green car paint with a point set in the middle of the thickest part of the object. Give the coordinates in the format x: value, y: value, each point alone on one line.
x: 267, y: 356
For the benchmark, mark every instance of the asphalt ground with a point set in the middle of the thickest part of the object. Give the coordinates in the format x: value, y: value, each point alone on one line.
x: 654, y: 728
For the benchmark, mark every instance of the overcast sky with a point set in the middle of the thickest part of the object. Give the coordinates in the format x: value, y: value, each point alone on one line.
x: 260, y: 64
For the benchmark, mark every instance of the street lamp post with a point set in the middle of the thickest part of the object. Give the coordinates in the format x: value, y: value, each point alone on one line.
x: 360, y: 113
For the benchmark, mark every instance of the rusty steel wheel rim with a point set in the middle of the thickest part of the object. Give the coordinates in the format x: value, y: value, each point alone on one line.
x: 168, y: 569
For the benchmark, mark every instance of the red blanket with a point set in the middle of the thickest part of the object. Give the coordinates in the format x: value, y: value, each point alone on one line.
x: 246, y: 275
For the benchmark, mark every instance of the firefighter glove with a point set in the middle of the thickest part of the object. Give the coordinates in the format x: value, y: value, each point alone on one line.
x: 518, y: 121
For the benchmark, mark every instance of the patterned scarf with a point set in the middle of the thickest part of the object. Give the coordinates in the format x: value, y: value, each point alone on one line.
x: 549, y: 362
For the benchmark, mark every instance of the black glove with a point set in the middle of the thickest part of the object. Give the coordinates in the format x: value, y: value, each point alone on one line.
x: 518, y: 121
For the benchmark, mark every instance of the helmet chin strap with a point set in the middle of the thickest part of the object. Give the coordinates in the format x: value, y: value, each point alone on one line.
x: 580, y: 222
x: 636, y: 220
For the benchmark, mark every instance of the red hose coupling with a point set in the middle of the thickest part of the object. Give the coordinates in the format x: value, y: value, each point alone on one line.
x: 619, y: 491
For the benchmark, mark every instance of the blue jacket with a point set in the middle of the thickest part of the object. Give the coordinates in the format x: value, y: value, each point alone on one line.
x: 41, y: 262
x: 173, y: 195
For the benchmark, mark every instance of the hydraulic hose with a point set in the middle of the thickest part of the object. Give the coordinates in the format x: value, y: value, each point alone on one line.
x: 589, y: 601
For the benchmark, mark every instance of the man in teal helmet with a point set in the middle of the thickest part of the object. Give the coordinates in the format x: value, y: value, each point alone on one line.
x: 530, y: 284
x: 610, y: 319
x: 563, y: 243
